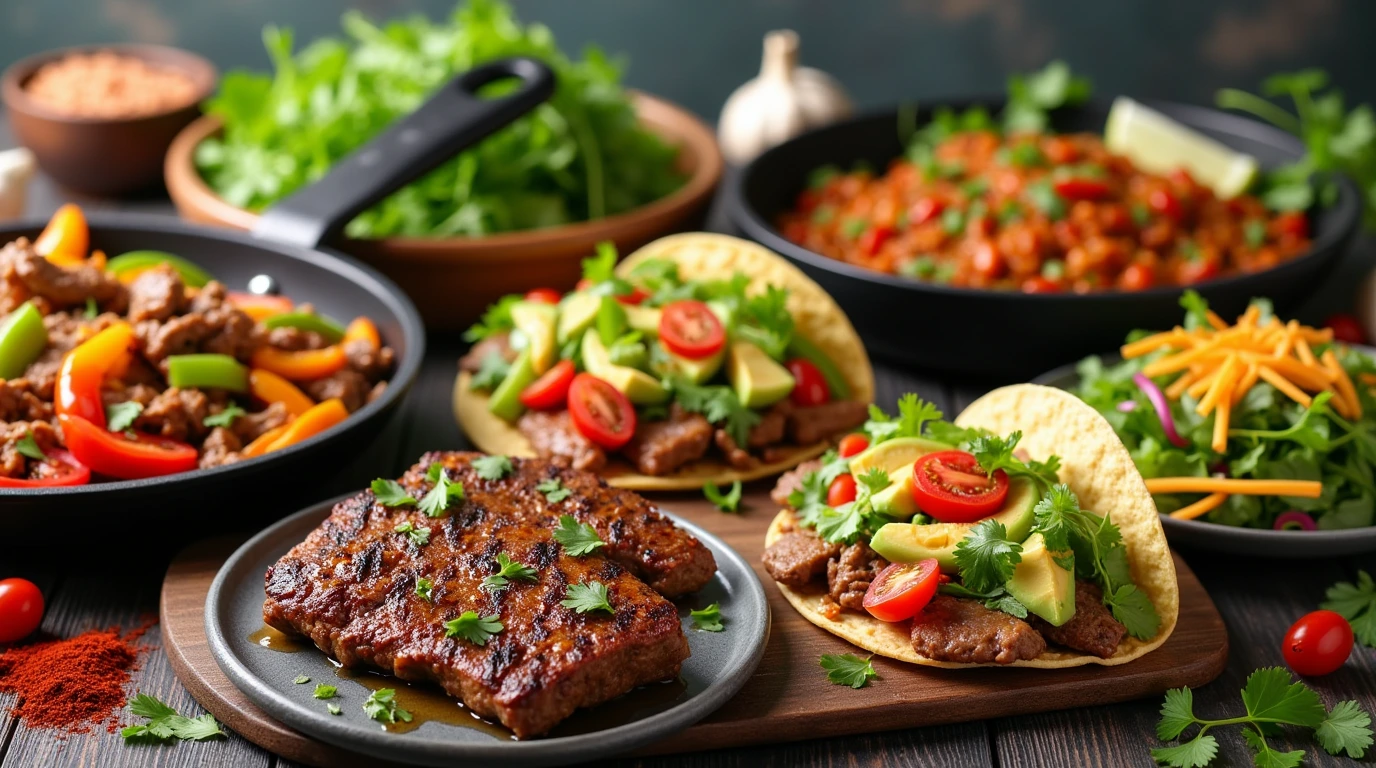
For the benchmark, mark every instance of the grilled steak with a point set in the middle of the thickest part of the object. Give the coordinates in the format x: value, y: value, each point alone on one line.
x: 351, y: 588
x: 807, y: 425
x: 796, y: 558
x: 1092, y: 629
x: 849, y: 575
x: 660, y: 447
x: 955, y: 629
x: 554, y: 436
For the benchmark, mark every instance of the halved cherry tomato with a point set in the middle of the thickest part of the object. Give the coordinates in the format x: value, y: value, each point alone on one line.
x: 902, y: 589
x: 63, y: 470
x: 543, y: 296
x: 691, y: 329
x: 1346, y: 328
x: 809, y: 385
x: 1166, y: 204
x: 841, y: 491
x: 66, y: 238
x: 551, y: 390
x: 852, y: 444
x: 601, y: 412
x: 259, y: 307
x: 1317, y: 644
x: 1137, y: 277
x: 21, y: 609
x: 1292, y: 223
x: 1039, y: 284
x: 635, y: 297
x: 925, y: 210
x: 953, y: 488
x: 874, y: 238
x: 116, y: 455
x: 1081, y: 189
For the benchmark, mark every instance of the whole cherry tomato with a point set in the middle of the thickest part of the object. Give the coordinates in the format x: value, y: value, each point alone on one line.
x: 1137, y: 277
x: 852, y: 444
x: 842, y: 490
x: 1318, y: 644
x: 809, y: 385
x: 21, y: 609
x: 1346, y: 328
x: 543, y: 296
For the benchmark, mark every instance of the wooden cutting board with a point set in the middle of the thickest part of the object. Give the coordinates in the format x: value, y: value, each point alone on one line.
x: 789, y: 697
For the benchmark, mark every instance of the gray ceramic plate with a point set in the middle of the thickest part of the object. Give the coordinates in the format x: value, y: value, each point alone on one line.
x: 721, y: 663
x: 1244, y: 541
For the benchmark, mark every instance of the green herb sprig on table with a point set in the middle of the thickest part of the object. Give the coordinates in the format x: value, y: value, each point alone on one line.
x: 730, y: 501
x: 848, y: 669
x: 708, y: 619
x: 577, y: 538
x: 164, y: 724
x: 1356, y: 603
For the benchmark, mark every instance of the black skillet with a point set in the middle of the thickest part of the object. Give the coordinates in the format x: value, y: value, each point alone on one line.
x: 286, y: 245
x: 1002, y: 334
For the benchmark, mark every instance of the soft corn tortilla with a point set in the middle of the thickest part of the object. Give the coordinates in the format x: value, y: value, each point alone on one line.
x: 1096, y: 466
x: 702, y: 256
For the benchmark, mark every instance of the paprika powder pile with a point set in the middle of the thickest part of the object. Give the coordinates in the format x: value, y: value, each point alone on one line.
x: 70, y: 684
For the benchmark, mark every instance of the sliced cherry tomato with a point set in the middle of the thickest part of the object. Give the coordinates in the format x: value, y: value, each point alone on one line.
x: 1293, y: 223
x: 852, y: 444
x: 925, y: 210
x: 1317, y: 644
x: 1165, y: 203
x: 601, y: 412
x: 1198, y: 270
x: 1039, y: 284
x: 1137, y: 277
x: 691, y: 329
x: 953, y: 488
x: 63, y: 470
x: 1346, y: 328
x: 119, y: 456
x: 874, y: 238
x: 1081, y: 189
x: 809, y: 385
x: 21, y: 609
x: 635, y: 297
x: 841, y: 491
x: 543, y: 296
x: 902, y: 589
x: 551, y: 390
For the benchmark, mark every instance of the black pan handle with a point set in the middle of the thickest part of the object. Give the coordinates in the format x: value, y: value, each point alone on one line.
x: 452, y: 120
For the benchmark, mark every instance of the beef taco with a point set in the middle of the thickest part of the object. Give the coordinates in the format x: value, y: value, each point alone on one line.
x: 699, y: 358
x: 1020, y: 535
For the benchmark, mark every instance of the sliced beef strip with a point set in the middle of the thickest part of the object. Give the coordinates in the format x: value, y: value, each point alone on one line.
x: 19, y: 403
x: 792, y: 480
x: 554, y: 436
x: 964, y: 631
x: 770, y: 430
x: 1092, y: 629
x: 735, y: 455
x: 156, y: 294
x: 348, y: 385
x: 12, y: 462
x: 499, y: 343
x: 296, y: 339
x: 811, y: 424
x: 374, y: 364
x: 221, y: 447
x: 798, y: 557
x: 59, y: 287
x: 176, y: 413
x: 660, y: 447
x: 250, y: 426
x: 849, y: 575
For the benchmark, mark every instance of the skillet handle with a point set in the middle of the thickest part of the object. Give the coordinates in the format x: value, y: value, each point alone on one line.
x: 452, y: 120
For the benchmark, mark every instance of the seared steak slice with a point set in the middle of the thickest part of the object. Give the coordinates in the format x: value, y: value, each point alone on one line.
x: 960, y: 630
x: 638, y: 537
x: 792, y: 480
x: 798, y: 557
x: 770, y: 430
x: 660, y: 447
x: 1092, y: 629
x: 850, y: 574
x: 807, y: 425
x: 736, y: 456
x: 554, y: 436
x: 351, y: 588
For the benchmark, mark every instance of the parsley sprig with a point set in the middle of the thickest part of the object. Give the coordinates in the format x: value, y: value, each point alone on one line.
x: 508, y: 569
x: 120, y: 416
x: 389, y: 493
x: 913, y: 413
x: 994, y: 453
x: 730, y: 501
x: 986, y: 557
x: 164, y: 724
x: 718, y: 404
x: 418, y: 536
x: 424, y: 588
x: 27, y: 446
x: 577, y: 538
x: 442, y: 494
x: 474, y: 628
x: 554, y: 489
x: 1356, y: 603
x: 224, y: 418
x: 849, y: 522
x: 382, y: 707
x: 491, y: 371
x: 848, y: 669
x: 587, y: 597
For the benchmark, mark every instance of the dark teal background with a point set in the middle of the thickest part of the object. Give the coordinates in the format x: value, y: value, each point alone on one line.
x: 696, y: 52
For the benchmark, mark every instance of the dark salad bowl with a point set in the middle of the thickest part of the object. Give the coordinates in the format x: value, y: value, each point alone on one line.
x: 1008, y: 334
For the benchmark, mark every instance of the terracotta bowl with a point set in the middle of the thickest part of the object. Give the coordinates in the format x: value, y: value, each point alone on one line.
x: 102, y: 156
x: 453, y: 279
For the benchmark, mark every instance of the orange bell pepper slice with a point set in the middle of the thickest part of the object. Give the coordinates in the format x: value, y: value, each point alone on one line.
x: 67, y: 238
x: 311, y: 423
x: 84, y: 369
x: 362, y: 329
x: 260, y: 444
x: 259, y: 307
x: 97, y: 259
x: 271, y: 388
x: 302, y: 365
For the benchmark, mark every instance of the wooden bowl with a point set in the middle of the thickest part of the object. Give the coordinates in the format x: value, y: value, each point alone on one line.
x: 102, y: 156
x: 453, y: 279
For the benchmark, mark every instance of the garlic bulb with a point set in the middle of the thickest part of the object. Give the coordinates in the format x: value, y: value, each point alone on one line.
x: 16, y: 169
x: 784, y: 101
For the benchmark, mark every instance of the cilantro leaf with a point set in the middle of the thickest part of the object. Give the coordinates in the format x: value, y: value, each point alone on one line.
x: 492, y: 467
x: 436, y: 502
x: 994, y: 453
x: 809, y: 499
x: 913, y: 413
x: 491, y: 372
x: 418, y: 536
x: 1265, y: 757
x: 1055, y: 519
x: 423, y: 589
x: 577, y: 538
x: 1356, y: 603
x: 554, y: 490
x: 766, y: 322
x: 986, y: 557
x: 1192, y: 754
x: 473, y: 628
x: 120, y: 416
x: 165, y: 724
x: 708, y: 619
x: 1269, y: 695
x: 496, y: 319
x: 301, y: 680
x: 848, y: 669
x: 334, y: 709
x: 726, y: 502
x: 719, y: 405
x: 508, y: 569
x: 1177, y: 714
x: 27, y: 446
x: 1134, y: 610
x: 600, y: 267
x: 150, y: 707
x: 389, y: 493
x: 995, y: 600
x: 587, y: 597
x: 323, y: 691
x: 194, y: 728
x: 382, y: 707
x: 224, y: 418
x: 1347, y: 728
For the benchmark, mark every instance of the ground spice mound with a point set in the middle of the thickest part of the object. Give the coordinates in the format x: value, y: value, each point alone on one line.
x: 69, y: 684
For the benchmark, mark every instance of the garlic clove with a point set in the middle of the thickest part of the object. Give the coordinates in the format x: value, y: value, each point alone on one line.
x: 16, y: 170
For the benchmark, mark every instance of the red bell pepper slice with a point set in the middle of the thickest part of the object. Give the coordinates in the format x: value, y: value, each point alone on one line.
x: 120, y: 456
x: 62, y: 470
x: 85, y: 368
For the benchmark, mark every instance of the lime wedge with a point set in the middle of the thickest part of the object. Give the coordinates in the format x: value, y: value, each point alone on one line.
x: 1158, y: 144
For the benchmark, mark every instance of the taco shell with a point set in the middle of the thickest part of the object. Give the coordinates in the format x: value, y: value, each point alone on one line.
x: 700, y: 256
x: 1097, y: 468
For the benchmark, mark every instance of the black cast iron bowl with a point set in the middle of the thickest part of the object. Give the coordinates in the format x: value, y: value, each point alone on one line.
x: 1008, y: 334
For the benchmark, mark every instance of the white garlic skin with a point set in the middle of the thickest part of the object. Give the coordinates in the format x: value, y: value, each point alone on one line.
x: 16, y: 169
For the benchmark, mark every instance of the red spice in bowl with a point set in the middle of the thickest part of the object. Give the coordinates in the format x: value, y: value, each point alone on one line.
x: 106, y: 85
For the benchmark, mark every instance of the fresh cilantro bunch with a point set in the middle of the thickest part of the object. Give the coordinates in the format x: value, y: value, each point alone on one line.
x: 852, y: 521
x: 164, y: 724
x: 994, y: 453
x: 913, y: 413
x: 810, y: 497
x: 848, y: 669
x: 718, y: 404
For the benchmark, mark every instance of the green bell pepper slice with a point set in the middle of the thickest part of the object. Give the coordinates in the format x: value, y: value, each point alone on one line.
x: 137, y: 261
x: 22, y: 339
x: 332, y: 330
x: 208, y: 371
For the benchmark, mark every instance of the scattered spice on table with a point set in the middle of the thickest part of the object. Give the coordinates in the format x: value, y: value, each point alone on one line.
x: 105, y: 84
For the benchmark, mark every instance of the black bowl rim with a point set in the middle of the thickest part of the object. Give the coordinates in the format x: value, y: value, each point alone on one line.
x: 408, y: 368
x: 745, y: 215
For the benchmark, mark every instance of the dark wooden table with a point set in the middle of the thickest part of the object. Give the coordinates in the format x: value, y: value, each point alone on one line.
x: 1258, y: 599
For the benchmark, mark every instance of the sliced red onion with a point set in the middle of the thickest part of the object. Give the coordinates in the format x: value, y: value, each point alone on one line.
x: 1295, y: 520
x: 1163, y: 408
x: 1127, y: 406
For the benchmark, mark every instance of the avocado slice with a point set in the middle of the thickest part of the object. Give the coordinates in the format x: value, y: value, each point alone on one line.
x: 909, y: 543
x: 696, y: 371
x: 505, y: 402
x: 892, y: 454
x: 537, y: 321
x: 757, y: 379
x: 725, y: 313
x: 1042, y: 585
x: 836, y: 381
x: 897, y: 500
x: 638, y: 387
x: 643, y: 319
x: 577, y: 311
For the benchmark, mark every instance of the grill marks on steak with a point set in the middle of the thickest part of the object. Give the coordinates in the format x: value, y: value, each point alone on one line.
x: 350, y: 588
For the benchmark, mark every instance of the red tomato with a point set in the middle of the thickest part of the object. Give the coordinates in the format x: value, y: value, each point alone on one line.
x: 601, y: 412
x: 691, y: 329
x: 987, y: 260
x: 1060, y: 150
x: 951, y: 487
x: 1137, y: 277
x: 842, y: 490
x: 874, y: 238
x: 1293, y: 223
x: 63, y: 470
x: 583, y: 284
x: 902, y: 589
x: 1166, y: 204
x: 550, y: 391
x: 543, y: 296
x: 925, y: 210
x: 1081, y: 189
x: 1346, y: 328
x: 114, y: 454
x: 1039, y: 284
x: 852, y: 444
x: 809, y: 385
x: 21, y: 609
x: 1317, y: 644
x: 636, y: 295
x: 1198, y: 271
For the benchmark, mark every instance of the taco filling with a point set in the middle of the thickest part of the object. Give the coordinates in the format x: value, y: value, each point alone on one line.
x: 958, y: 541
x: 657, y: 368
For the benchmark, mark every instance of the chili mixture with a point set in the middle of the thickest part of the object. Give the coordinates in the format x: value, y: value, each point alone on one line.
x: 1040, y: 213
